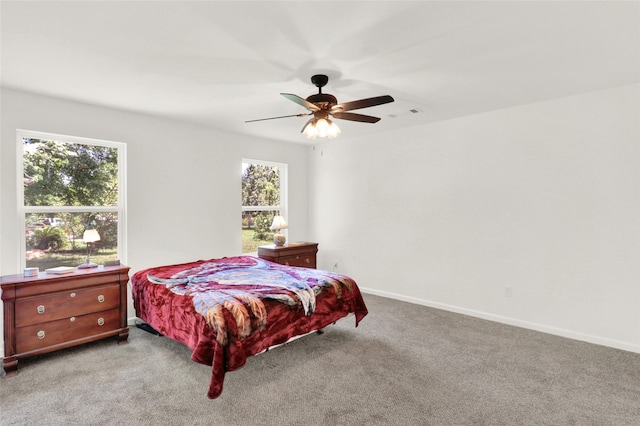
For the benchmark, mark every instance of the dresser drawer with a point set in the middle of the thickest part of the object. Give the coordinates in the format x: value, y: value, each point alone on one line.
x: 308, y: 261
x: 39, y: 336
x: 65, y: 304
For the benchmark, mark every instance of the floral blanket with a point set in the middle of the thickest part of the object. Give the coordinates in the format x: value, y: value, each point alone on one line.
x: 228, y: 309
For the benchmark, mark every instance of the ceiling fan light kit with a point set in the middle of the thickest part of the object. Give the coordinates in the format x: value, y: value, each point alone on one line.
x: 323, y: 105
x: 321, y: 127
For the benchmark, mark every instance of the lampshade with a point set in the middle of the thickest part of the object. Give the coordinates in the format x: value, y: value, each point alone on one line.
x: 90, y: 236
x: 333, y: 130
x: 278, y: 223
x: 322, y: 125
x: 309, y: 129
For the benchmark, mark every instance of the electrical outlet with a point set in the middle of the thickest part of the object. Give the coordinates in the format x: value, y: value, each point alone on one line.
x: 508, y: 291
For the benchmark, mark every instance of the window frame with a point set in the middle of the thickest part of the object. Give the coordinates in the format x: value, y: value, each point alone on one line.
x: 283, y: 195
x: 120, y: 208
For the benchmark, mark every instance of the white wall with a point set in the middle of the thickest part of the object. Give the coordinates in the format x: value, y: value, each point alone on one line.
x: 183, y: 180
x: 542, y: 198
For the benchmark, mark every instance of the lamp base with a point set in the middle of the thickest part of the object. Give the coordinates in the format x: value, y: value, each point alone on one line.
x: 279, y: 239
x: 88, y: 265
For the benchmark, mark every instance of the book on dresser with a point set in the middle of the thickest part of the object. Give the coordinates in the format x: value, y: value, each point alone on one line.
x: 60, y: 270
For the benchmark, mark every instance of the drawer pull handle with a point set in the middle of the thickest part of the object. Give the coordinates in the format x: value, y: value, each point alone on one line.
x: 286, y: 263
x: 307, y: 260
x: 297, y: 257
x: 40, y: 334
x: 101, y: 298
x: 100, y: 321
x: 72, y: 295
x: 72, y: 319
x: 41, y: 309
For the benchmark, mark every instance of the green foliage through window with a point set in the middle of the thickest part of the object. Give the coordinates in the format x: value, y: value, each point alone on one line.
x: 69, y: 174
x: 261, y: 200
x: 260, y: 185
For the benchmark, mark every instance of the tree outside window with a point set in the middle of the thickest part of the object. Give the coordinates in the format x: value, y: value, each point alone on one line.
x: 263, y: 197
x: 70, y: 185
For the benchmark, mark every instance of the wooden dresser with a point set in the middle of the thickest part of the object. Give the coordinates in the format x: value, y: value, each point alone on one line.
x: 291, y: 254
x: 50, y: 312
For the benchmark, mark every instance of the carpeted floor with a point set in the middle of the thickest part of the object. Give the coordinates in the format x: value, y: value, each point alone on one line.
x: 404, y: 365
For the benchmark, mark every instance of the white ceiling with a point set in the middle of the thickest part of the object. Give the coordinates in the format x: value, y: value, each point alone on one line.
x: 221, y: 63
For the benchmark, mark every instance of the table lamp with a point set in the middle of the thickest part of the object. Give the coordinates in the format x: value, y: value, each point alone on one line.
x: 278, y: 224
x: 89, y: 236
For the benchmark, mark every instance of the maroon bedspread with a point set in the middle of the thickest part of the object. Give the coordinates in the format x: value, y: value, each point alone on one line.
x: 228, y: 309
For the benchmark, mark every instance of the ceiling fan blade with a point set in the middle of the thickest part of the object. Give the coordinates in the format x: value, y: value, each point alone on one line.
x: 297, y: 99
x: 363, y: 103
x: 355, y: 117
x: 274, y: 118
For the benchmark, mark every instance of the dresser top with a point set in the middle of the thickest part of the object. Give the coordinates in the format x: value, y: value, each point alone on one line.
x: 298, y: 244
x: 6, y: 280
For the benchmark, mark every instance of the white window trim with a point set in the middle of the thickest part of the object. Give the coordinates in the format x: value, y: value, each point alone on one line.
x: 122, y: 189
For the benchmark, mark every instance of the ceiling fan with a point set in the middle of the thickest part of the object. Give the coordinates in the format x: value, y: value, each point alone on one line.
x: 323, y: 105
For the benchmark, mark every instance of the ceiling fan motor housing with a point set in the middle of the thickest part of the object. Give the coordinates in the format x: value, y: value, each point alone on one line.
x: 323, y: 100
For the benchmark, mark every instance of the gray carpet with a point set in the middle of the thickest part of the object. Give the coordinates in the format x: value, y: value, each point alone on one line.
x: 404, y: 365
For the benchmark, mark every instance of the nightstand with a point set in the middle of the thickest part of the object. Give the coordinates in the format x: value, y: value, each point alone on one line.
x: 50, y: 312
x: 291, y: 254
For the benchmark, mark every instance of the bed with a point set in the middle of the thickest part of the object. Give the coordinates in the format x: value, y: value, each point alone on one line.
x: 226, y: 310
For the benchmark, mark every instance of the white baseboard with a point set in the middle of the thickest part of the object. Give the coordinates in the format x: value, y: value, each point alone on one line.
x: 625, y: 346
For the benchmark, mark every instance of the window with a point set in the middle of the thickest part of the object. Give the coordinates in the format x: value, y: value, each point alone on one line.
x: 263, y: 196
x: 68, y: 185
